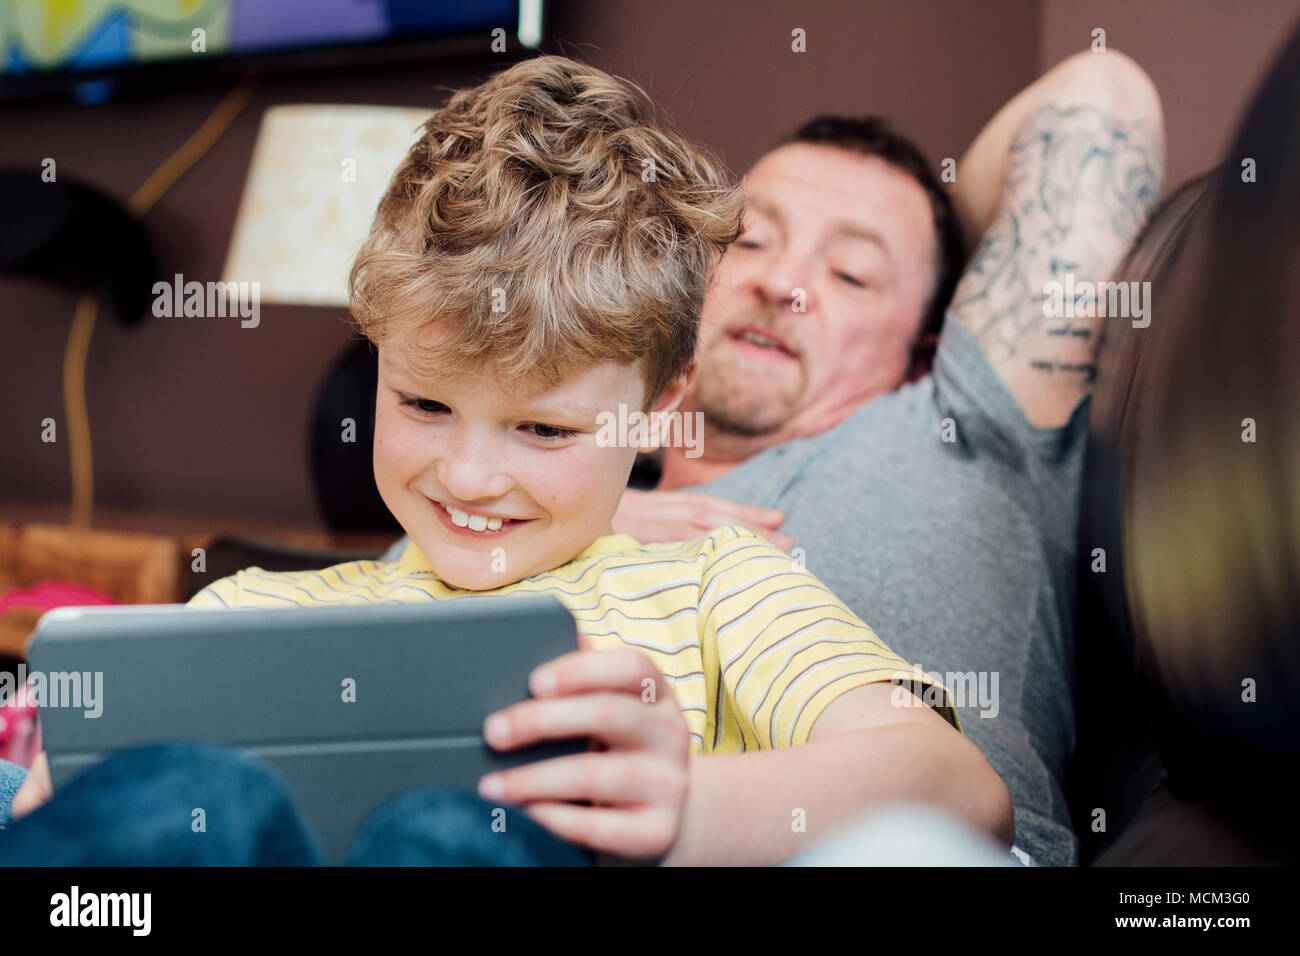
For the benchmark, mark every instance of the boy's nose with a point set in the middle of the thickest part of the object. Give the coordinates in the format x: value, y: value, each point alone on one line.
x: 471, y: 473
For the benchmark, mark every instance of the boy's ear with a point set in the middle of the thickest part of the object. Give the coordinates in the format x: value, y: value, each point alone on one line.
x: 668, y: 401
x: 675, y: 390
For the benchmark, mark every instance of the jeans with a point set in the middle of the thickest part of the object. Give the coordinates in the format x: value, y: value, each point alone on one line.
x: 141, y: 807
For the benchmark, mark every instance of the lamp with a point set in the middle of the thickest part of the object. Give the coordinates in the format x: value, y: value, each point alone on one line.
x: 317, y: 175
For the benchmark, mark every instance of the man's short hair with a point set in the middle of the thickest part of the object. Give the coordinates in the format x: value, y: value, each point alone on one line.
x: 550, y: 223
x: 872, y: 136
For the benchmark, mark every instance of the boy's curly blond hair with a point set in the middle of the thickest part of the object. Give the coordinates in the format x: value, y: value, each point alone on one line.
x: 553, y: 224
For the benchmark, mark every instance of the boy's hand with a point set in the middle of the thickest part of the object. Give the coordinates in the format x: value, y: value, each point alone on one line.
x: 657, y: 516
x: 637, y: 780
x: 35, y: 789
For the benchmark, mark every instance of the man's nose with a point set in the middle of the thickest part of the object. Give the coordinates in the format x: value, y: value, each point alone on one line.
x: 785, y: 280
x: 469, y: 466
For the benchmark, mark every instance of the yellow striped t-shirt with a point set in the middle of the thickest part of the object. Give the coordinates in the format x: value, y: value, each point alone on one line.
x: 753, y: 645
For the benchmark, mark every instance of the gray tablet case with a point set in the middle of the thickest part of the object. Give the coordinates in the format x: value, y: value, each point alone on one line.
x: 275, y: 683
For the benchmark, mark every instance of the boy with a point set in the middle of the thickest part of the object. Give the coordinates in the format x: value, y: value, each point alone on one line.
x: 538, y: 262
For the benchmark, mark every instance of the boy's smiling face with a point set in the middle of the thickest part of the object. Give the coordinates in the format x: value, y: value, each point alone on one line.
x: 486, y: 452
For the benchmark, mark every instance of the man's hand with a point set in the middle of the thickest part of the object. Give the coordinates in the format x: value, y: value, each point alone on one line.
x: 639, y: 780
x: 657, y: 516
x: 36, y: 789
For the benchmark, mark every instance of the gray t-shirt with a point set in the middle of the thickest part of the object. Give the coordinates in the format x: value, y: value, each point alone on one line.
x: 948, y: 523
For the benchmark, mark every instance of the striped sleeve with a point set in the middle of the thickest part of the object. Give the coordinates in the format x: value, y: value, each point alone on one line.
x: 224, y: 593
x: 786, y: 646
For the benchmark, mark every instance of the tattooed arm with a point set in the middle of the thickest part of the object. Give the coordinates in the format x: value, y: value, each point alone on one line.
x: 1060, y: 181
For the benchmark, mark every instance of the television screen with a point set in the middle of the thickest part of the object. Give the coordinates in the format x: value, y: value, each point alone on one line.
x: 48, y: 44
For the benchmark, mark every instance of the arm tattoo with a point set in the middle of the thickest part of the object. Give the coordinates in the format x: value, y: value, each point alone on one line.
x: 1080, y: 186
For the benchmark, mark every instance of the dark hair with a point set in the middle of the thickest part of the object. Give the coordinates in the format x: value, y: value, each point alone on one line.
x: 1203, y: 515
x: 873, y: 136
x: 1111, y: 728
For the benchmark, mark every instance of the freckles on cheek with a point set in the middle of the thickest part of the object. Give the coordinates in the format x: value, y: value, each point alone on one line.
x: 570, y: 485
x: 591, y: 485
x: 396, y: 445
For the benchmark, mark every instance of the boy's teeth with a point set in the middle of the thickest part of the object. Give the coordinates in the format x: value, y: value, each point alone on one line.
x: 462, y: 519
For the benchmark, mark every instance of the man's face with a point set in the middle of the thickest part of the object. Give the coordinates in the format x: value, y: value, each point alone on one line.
x: 857, y: 236
x: 491, y: 452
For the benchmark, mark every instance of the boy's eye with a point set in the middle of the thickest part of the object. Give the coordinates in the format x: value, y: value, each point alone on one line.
x: 549, y: 432
x: 851, y: 280
x: 426, y: 405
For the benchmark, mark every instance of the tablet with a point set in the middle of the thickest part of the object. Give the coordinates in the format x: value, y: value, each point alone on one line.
x: 353, y: 705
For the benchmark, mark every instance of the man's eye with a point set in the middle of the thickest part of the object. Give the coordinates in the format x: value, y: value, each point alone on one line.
x: 426, y: 405
x: 549, y: 432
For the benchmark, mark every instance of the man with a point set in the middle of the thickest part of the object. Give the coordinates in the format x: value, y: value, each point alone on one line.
x: 943, y: 511
x: 889, y: 244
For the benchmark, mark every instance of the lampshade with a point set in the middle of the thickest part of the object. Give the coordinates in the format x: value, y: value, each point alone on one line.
x: 317, y: 176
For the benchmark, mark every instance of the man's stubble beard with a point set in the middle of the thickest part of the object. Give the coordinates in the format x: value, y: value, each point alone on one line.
x: 740, y: 397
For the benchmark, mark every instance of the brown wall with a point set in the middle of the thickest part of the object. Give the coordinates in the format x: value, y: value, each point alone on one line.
x: 1205, y: 56
x: 187, y: 415
x: 201, y: 417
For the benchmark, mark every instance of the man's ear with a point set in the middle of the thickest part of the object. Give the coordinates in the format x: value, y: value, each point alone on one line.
x: 923, y: 350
